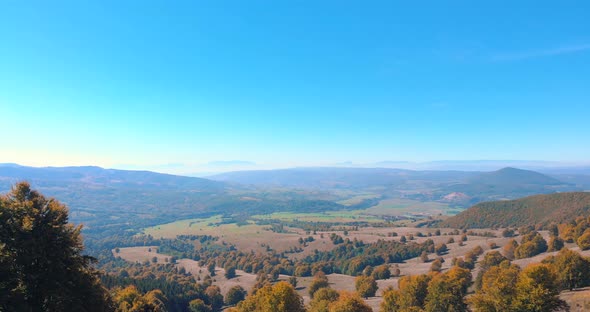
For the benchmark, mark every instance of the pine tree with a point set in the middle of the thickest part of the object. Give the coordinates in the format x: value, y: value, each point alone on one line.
x: 41, y: 261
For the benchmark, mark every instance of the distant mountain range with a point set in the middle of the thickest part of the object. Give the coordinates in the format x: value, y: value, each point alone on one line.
x: 469, y: 186
x: 98, y: 196
x: 538, y: 209
x: 105, y: 199
x: 93, y: 176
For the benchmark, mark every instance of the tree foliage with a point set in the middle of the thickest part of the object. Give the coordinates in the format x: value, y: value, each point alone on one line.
x: 349, y: 302
x: 281, y: 297
x: 235, y: 295
x: 41, y: 261
x: 366, y: 286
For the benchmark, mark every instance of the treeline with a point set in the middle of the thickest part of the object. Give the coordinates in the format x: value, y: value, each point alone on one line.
x: 353, y: 256
x: 533, y: 210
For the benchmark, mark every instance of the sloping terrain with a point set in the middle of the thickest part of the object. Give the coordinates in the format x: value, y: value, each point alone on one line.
x: 106, y: 200
x: 559, y: 208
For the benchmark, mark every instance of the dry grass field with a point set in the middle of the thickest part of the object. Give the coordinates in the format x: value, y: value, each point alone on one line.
x: 256, y: 237
x: 250, y: 237
x: 578, y: 300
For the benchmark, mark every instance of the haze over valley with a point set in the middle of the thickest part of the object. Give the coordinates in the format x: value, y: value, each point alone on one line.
x: 294, y: 156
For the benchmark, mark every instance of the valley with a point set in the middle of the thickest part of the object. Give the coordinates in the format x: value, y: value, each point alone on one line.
x: 344, y: 224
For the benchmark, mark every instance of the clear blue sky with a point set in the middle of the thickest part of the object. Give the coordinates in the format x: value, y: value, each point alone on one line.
x: 286, y: 83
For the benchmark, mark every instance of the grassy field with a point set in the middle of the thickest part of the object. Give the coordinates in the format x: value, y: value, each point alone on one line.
x: 329, y: 216
x: 400, y: 207
x: 337, y: 281
x: 355, y: 200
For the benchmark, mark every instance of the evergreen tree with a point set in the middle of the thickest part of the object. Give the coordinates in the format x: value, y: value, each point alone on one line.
x: 41, y: 263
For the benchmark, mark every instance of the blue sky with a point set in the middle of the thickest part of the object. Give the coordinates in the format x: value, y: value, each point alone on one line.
x: 289, y: 83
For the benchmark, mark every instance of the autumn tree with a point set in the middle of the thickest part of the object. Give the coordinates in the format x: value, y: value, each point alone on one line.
x: 498, y: 289
x: 198, y: 305
x: 214, y: 297
x: 509, y: 248
x: 41, y: 261
x: 444, y: 294
x: 441, y: 249
x: 556, y: 243
x: 381, y: 272
x: 410, y: 295
x: 366, y: 286
x: 537, y: 290
x: 349, y: 302
x: 319, y: 281
x: 436, y: 266
x: 322, y: 299
x: 492, y: 258
x: 129, y: 299
x: 531, y: 245
x: 281, y: 297
x: 573, y: 270
x: 235, y: 295
x: 424, y: 257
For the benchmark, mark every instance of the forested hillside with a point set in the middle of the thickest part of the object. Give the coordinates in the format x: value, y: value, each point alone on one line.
x: 544, y: 209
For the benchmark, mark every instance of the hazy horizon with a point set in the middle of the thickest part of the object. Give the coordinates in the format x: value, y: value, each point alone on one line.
x: 217, y: 167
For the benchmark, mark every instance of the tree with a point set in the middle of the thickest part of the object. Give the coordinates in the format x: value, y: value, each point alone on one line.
x: 41, y: 265
x: 492, y: 258
x: 509, y: 249
x: 556, y: 243
x: 230, y: 272
x: 424, y: 257
x: 235, y: 295
x: 573, y: 270
x: 410, y: 296
x: 441, y: 249
x: 498, y: 289
x: 381, y: 272
x: 508, y: 233
x: 293, y: 281
x: 444, y: 294
x: 319, y: 281
x: 436, y: 266
x: 349, y: 302
x: 532, y: 244
x: 198, y: 305
x: 214, y: 297
x: 129, y: 299
x: 366, y: 286
x: 537, y: 291
x: 281, y: 297
x: 322, y: 299
x: 211, y: 268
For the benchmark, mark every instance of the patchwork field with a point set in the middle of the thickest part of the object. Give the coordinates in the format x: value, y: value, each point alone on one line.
x: 408, y: 207
x: 253, y: 236
x: 329, y: 216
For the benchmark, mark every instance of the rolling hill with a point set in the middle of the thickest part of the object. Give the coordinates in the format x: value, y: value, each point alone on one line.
x: 509, y: 183
x: 344, y: 178
x: 543, y: 209
x: 104, y: 199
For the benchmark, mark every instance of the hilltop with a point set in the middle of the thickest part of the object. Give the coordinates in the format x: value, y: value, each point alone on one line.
x: 508, y: 183
x: 559, y: 208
